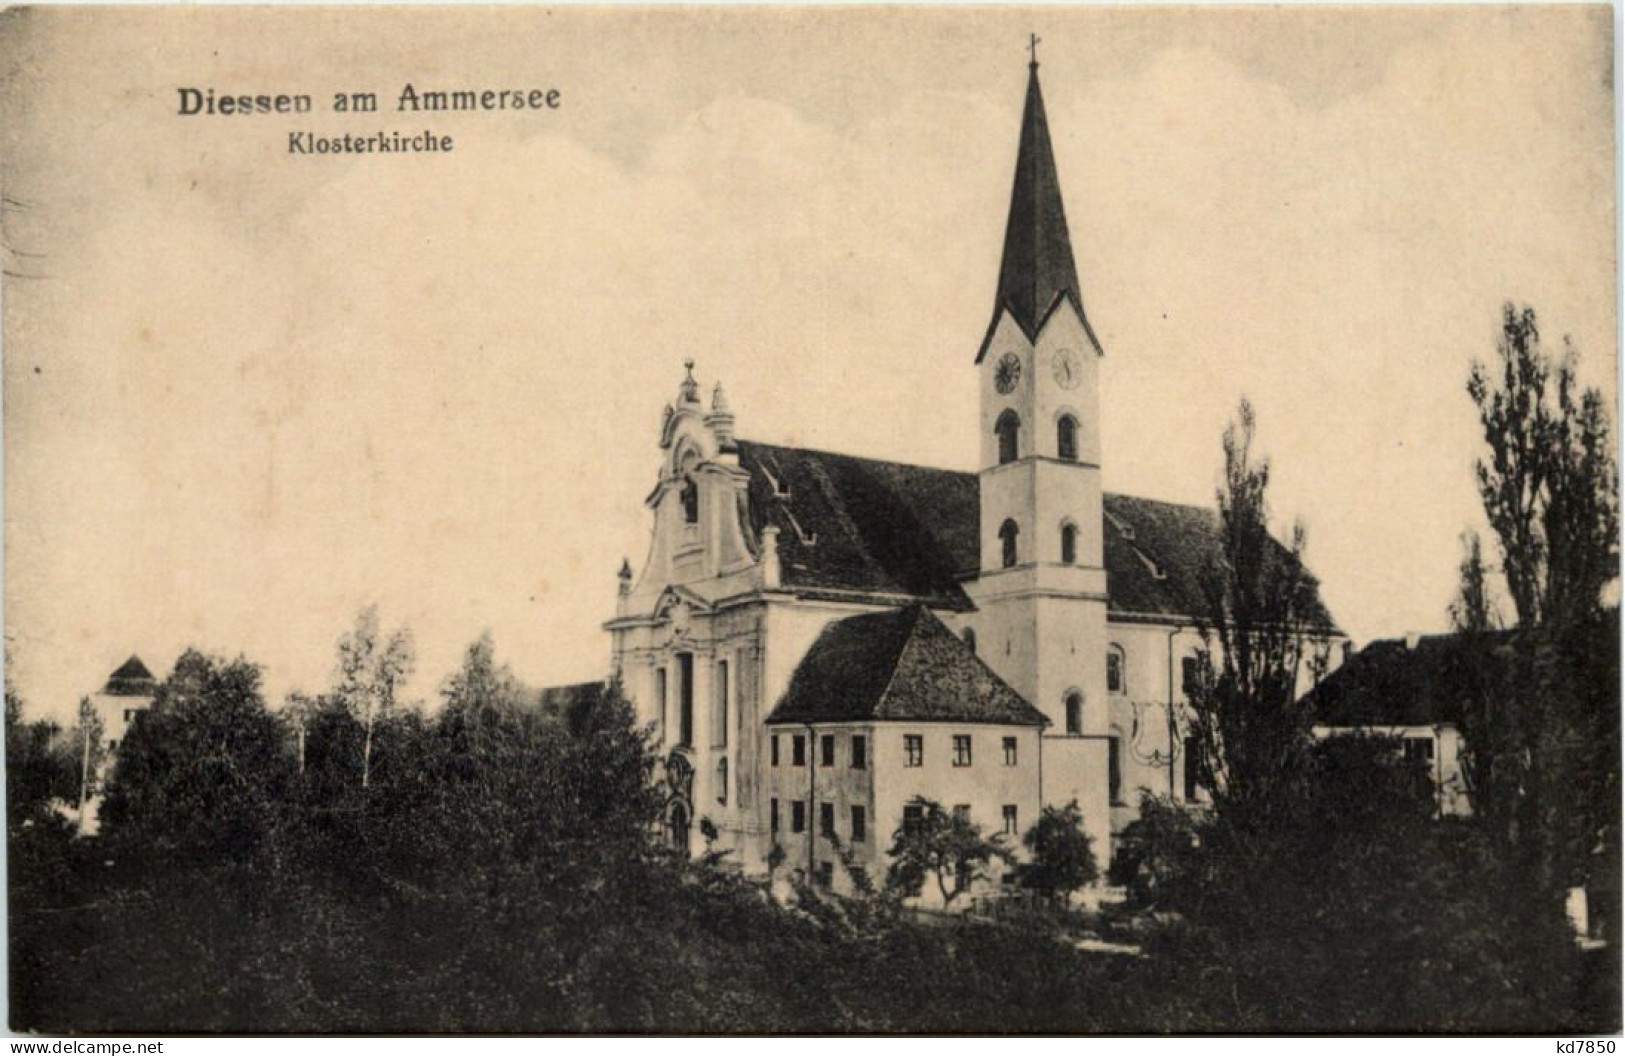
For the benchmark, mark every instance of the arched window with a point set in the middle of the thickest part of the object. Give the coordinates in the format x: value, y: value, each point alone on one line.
x: 1074, y: 713
x: 691, y: 501
x: 970, y: 638
x: 722, y: 780
x: 1008, y: 430
x: 1066, y: 438
x: 1007, y: 536
x: 1069, y: 544
x: 1115, y: 682
x: 688, y: 490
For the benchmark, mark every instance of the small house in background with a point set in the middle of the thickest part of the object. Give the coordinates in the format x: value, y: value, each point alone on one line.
x: 119, y: 704
x: 564, y: 703
x: 1409, y: 689
x: 129, y: 692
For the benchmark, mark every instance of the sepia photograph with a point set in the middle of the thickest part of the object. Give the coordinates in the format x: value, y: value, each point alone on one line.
x: 811, y: 520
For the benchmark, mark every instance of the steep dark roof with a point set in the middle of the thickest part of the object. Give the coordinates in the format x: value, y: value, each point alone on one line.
x: 1037, y: 270
x: 1391, y: 683
x: 904, y: 664
x: 856, y: 525
x: 1156, y: 553
x: 132, y: 679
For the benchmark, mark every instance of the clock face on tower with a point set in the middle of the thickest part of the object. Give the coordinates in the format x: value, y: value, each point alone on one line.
x: 1066, y: 368
x: 1007, y: 373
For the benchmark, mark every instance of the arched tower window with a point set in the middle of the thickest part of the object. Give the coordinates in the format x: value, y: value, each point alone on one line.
x: 970, y: 638
x: 1008, y: 429
x: 1066, y: 438
x: 688, y: 490
x: 1007, y: 537
x: 1115, y: 680
x: 691, y: 501
x: 1069, y: 543
x: 1074, y: 713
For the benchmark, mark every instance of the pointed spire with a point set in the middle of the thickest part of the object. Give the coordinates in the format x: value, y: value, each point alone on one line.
x: 1038, y: 268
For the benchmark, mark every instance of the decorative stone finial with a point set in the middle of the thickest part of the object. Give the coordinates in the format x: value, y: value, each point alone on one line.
x: 690, y: 388
x: 721, y: 419
x: 625, y: 576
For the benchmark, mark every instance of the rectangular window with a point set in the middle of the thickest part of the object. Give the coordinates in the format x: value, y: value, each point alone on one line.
x: 1114, y: 769
x: 826, y: 819
x: 826, y: 874
x: 798, y: 750
x: 661, y: 703
x: 685, y: 697
x: 1009, y: 751
x: 798, y: 816
x: 913, y: 817
x: 961, y: 749
x: 1010, y: 819
x: 860, y: 824
x: 860, y: 752
x: 913, y: 750
x: 719, y: 722
x: 773, y: 748
x: 1419, y: 749
x: 773, y: 816
x: 826, y: 750
x: 1193, y: 773
x: 1187, y: 669
x: 962, y: 812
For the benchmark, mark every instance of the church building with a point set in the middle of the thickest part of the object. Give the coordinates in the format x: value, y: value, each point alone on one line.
x: 820, y: 638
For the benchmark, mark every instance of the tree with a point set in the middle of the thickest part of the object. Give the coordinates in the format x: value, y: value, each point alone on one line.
x: 371, y: 671
x: 1534, y: 726
x: 1063, y: 857
x: 942, y: 844
x: 1160, y: 859
x: 1549, y: 486
x: 1474, y: 610
x: 204, y: 776
x: 482, y: 683
x: 36, y: 771
x: 1260, y: 612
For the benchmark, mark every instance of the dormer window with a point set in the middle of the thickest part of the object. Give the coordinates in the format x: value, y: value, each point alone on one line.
x: 1008, y: 430
x: 1007, y: 539
x: 1066, y: 438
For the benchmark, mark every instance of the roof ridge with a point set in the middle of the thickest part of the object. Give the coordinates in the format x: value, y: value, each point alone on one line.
x: 857, y: 458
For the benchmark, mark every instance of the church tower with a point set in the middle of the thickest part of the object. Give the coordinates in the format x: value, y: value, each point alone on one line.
x: 1041, y: 587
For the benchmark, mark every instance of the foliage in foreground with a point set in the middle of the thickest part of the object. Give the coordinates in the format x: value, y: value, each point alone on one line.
x: 497, y: 874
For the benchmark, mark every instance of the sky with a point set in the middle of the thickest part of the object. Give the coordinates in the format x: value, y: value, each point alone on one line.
x: 247, y: 393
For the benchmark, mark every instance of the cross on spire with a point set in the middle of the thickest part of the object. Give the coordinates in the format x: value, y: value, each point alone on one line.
x: 1033, y: 40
